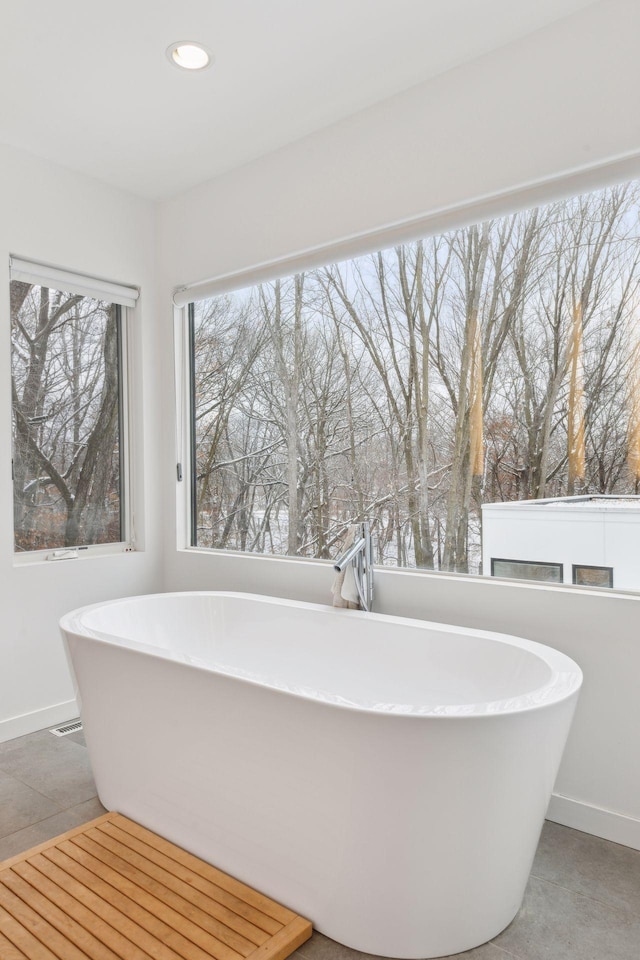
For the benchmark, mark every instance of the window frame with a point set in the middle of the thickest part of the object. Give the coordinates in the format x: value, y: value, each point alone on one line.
x: 191, y: 373
x: 183, y: 418
x: 127, y: 542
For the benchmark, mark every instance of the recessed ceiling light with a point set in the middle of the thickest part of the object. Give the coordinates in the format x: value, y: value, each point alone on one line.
x: 189, y: 55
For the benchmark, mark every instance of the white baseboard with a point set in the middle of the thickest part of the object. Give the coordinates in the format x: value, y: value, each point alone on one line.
x: 596, y: 820
x: 38, y: 720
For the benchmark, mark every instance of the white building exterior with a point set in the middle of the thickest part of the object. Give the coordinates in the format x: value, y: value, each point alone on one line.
x: 590, y: 540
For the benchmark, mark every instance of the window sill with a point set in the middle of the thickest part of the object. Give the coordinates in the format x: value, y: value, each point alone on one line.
x: 404, y: 572
x: 48, y: 558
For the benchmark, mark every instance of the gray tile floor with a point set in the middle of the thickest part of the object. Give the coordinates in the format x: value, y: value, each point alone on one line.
x: 46, y: 788
x: 582, y: 903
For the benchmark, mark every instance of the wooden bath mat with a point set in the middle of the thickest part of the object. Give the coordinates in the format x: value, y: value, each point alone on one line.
x: 111, y: 890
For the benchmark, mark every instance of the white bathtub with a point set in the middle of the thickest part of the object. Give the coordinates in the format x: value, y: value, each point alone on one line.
x: 386, y: 778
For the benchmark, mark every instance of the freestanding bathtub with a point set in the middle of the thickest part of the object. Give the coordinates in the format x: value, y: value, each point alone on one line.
x: 386, y: 778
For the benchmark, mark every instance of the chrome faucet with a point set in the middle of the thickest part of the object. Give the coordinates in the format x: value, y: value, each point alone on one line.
x: 360, y: 555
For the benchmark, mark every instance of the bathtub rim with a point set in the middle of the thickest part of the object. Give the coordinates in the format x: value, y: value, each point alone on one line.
x: 71, y: 622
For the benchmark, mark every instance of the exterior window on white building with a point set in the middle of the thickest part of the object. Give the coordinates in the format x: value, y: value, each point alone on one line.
x: 588, y: 576
x: 527, y: 570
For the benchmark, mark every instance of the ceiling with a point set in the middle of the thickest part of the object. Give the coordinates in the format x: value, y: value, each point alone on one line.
x: 88, y: 85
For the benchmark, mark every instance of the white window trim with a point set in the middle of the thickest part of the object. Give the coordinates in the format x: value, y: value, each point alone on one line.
x: 182, y: 369
x: 127, y: 519
x: 26, y: 558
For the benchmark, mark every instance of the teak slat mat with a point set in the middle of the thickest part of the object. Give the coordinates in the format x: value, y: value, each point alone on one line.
x: 112, y: 890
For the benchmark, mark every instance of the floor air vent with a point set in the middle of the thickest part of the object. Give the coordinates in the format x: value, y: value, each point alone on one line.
x: 72, y: 727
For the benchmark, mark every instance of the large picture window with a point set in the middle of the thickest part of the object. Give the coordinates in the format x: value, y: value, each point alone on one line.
x: 69, y: 423
x: 495, y: 363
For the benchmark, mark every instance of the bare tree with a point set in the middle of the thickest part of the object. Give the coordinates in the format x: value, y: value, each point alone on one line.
x: 411, y: 386
x: 65, y: 392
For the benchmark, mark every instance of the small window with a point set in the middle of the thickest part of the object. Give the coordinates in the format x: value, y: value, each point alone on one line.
x: 590, y: 576
x: 527, y: 570
x: 68, y: 404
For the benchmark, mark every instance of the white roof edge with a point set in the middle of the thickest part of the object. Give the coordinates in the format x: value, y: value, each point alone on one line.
x: 588, y: 504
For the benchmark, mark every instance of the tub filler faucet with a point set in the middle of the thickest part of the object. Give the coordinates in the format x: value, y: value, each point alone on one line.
x: 360, y: 556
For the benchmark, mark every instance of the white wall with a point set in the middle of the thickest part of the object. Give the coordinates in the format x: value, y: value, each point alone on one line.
x: 500, y: 132
x: 58, y: 217
x: 560, y: 100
